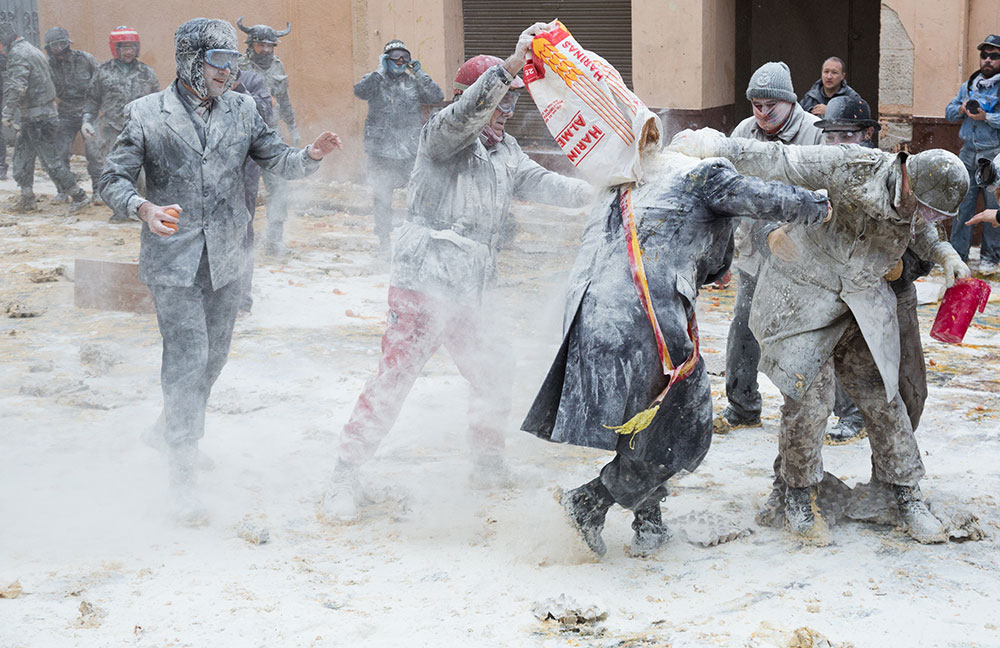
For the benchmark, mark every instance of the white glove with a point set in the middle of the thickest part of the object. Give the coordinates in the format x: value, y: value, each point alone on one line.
x: 701, y: 143
x: 516, y: 61
x: 87, y: 130
x: 952, y: 264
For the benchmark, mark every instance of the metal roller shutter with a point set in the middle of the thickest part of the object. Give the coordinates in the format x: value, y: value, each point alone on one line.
x: 602, y: 26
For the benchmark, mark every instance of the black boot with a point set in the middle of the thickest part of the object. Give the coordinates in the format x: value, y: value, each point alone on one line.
x: 848, y: 428
x: 918, y: 521
x: 650, y: 531
x: 586, y: 507
x: 802, y: 516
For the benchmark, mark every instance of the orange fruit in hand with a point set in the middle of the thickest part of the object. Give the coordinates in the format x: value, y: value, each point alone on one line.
x: 172, y: 212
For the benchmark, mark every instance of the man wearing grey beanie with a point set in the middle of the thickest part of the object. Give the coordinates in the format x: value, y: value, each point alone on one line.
x: 776, y: 117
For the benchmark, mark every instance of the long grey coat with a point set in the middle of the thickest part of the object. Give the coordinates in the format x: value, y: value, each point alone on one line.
x: 459, y: 197
x: 608, y: 369
x: 799, y: 309
x: 206, y: 181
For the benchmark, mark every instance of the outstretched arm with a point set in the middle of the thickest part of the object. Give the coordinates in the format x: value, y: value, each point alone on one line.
x: 728, y: 193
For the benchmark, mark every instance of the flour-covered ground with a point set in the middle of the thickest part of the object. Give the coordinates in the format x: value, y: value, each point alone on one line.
x: 88, y: 556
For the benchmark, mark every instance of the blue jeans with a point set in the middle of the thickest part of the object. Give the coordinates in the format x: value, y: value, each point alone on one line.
x: 961, y: 234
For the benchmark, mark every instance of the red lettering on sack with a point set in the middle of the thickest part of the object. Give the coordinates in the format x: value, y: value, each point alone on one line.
x: 576, y: 123
x: 585, y: 61
x: 551, y: 110
x: 583, y: 146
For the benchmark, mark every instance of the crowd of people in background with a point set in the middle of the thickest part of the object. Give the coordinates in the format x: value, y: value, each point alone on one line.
x: 838, y: 336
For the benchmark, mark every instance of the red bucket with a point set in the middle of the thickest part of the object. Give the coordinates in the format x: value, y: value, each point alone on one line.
x: 957, y: 308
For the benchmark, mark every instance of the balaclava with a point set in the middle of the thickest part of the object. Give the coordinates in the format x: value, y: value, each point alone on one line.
x: 192, y: 40
x: 7, y: 34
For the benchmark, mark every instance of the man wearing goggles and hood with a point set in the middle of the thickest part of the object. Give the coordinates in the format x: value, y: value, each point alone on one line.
x: 116, y: 83
x: 193, y: 139
x: 827, y: 306
x: 260, y: 59
x: 72, y: 71
x: 395, y: 93
x: 444, y: 270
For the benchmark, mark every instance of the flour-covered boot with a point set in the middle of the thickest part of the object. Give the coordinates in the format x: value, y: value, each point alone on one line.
x: 586, y: 508
x: 803, y: 518
x: 78, y: 200
x: 188, y: 509
x: 848, y: 428
x: 650, y: 531
x: 26, y: 201
x: 340, y: 500
x: 918, y: 521
x: 95, y: 196
x: 773, y: 507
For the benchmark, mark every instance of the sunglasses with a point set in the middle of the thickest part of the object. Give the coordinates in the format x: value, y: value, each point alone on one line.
x: 400, y: 59
x: 993, y: 56
x: 222, y: 58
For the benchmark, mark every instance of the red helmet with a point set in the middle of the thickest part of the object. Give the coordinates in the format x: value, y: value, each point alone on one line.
x: 474, y: 68
x: 122, y: 34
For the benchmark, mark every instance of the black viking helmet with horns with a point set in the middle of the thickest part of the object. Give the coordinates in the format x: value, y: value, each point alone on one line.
x: 263, y: 33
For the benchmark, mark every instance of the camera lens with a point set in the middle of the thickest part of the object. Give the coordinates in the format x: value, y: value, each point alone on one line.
x: 972, y: 106
x: 986, y: 172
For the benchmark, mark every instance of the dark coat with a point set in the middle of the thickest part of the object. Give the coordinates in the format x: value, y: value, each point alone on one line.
x: 392, y: 127
x: 608, y: 369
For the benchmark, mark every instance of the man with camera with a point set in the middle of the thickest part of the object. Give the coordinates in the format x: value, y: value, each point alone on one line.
x: 975, y: 107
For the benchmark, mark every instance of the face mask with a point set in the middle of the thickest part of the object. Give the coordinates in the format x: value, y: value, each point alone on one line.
x: 263, y: 59
x: 772, y: 118
x: 489, y: 137
x: 396, y: 69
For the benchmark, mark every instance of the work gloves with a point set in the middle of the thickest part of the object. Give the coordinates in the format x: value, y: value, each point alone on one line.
x: 952, y: 264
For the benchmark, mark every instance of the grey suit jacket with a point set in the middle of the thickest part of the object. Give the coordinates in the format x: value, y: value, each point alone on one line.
x: 206, y: 181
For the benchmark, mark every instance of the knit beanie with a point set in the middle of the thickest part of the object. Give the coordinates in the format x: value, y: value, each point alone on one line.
x: 772, y: 81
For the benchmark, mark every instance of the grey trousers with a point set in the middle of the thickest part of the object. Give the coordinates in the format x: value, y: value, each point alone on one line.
x: 912, y: 371
x: 743, y: 353
x: 277, y: 206
x: 384, y: 176
x: 196, y: 323
x: 895, y: 455
x: 68, y: 128
x: 37, y: 139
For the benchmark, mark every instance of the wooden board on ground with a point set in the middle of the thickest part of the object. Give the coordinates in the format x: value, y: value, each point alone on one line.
x: 110, y: 285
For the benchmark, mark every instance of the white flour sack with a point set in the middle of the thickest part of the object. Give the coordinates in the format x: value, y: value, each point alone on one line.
x: 597, y: 121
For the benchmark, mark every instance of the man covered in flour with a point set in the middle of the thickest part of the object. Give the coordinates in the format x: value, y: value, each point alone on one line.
x: 830, y: 307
